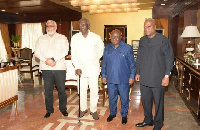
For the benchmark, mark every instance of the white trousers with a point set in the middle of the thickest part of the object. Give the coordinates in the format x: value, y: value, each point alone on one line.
x: 94, y: 89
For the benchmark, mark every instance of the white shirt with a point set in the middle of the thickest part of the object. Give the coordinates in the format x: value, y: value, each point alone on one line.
x: 86, y: 53
x: 48, y: 47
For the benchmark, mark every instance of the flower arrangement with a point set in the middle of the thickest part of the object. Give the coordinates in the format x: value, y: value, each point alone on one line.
x: 15, y: 39
x: 190, y: 57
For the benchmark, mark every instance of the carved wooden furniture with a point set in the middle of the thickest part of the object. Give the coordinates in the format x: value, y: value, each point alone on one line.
x: 8, y: 86
x: 25, y: 53
x: 189, y: 84
x: 103, y: 90
x: 30, y: 65
x: 71, y: 78
x: 16, y: 51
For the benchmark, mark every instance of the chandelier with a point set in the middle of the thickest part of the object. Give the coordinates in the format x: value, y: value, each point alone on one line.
x: 106, y: 6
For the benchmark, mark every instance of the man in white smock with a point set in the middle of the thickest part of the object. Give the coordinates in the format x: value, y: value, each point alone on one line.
x: 86, y: 50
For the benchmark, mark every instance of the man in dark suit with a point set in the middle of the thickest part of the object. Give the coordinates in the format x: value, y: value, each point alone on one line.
x: 153, y: 66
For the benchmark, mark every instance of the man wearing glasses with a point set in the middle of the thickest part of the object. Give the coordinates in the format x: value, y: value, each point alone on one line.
x: 51, y: 49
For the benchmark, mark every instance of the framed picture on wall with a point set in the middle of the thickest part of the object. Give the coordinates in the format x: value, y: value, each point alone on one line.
x: 135, y: 44
x: 109, y: 28
x: 160, y: 30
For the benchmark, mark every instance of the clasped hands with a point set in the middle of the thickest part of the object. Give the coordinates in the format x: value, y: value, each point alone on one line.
x: 50, y: 62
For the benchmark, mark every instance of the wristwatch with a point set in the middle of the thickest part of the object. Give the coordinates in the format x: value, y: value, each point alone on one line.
x: 166, y: 76
x: 52, y: 59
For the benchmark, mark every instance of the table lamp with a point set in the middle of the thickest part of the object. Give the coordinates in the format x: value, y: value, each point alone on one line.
x: 190, y: 32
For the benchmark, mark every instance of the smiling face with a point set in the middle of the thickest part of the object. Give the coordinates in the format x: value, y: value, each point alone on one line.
x: 150, y: 28
x: 51, y: 28
x: 116, y: 37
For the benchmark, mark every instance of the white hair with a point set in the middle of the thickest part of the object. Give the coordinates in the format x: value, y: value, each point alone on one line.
x: 88, y: 22
x: 51, y: 21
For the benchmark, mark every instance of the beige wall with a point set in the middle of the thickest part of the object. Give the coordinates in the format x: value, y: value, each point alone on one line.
x: 133, y: 20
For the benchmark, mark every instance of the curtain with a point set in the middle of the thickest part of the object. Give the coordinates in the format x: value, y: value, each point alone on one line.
x: 4, y: 41
x: 43, y: 27
x: 3, y: 52
x: 19, y: 32
x: 30, y: 34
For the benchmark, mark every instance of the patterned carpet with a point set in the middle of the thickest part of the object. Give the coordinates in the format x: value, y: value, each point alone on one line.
x: 31, y: 110
x: 30, y: 114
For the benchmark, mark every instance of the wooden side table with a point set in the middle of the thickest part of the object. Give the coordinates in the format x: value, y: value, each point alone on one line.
x: 16, y: 51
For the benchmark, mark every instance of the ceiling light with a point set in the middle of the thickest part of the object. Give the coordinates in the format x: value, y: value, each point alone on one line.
x: 114, y: 10
x: 3, y: 10
x: 106, y: 6
x: 111, y: 6
x: 162, y: 4
x: 99, y: 2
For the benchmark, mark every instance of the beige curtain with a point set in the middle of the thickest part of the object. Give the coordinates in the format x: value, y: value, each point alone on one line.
x: 19, y: 32
x: 43, y: 27
x: 5, y: 37
x: 30, y: 34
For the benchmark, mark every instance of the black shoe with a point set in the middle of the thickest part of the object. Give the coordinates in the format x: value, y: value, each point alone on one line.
x: 110, y: 118
x: 47, y: 115
x: 124, y: 120
x: 143, y: 124
x: 156, y: 128
x: 64, y: 113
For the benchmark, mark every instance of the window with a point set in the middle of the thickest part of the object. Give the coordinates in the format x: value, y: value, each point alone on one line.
x: 30, y: 34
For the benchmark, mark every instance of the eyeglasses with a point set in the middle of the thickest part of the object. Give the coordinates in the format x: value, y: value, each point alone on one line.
x: 115, y: 37
x: 50, y: 26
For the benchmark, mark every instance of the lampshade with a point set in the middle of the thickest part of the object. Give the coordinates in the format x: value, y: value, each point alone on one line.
x: 190, y: 31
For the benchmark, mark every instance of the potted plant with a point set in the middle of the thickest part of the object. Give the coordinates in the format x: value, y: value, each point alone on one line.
x: 15, y: 39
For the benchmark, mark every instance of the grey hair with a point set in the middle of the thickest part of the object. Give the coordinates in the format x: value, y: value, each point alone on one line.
x: 51, y: 21
x: 88, y: 22
x: 150, y: 19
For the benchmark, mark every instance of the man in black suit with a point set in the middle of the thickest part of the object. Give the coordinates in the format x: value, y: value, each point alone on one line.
x: 153, y: 65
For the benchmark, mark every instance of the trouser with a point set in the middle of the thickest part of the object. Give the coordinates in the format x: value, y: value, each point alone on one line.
x: 94, y: 97
x: 59, y: 77
x: 148, y: 94
x: 113, y: 91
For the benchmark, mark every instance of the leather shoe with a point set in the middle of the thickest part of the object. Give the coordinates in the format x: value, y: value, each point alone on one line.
x: 47, y: 115
x: 124, y: 120
x: 64, y: 113
x: 110, y: 118
x: 143, y: 124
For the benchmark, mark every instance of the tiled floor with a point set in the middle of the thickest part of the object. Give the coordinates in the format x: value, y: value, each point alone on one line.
x: 31, y: 109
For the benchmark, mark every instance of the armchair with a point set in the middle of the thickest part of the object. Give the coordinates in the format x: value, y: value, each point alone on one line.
x: 30, y: 65
x: 8, y: 86
x: 71, y: 78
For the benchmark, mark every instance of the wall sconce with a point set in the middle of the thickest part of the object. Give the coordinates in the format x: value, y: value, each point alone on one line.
x: 190, y: 32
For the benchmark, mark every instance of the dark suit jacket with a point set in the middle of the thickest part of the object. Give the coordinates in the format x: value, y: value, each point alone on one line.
x: 155, y: 60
